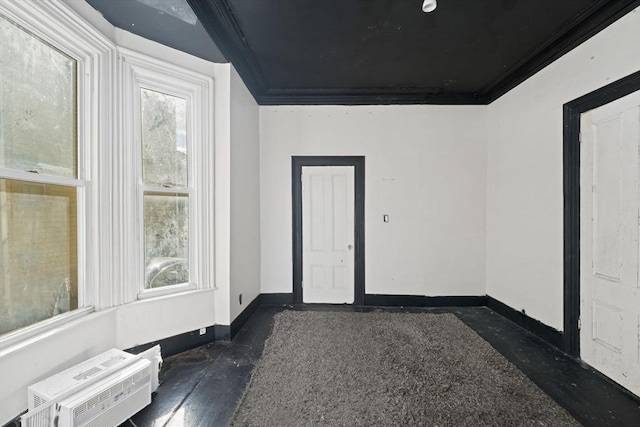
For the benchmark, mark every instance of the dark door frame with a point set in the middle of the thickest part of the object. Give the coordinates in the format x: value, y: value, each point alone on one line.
x: 297, y: 163
x: 571, y: 186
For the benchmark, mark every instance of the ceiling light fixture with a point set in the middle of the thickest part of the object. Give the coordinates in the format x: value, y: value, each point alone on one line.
x: 429, y: 5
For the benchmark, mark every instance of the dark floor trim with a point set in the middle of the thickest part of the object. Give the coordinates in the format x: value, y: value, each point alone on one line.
x: 181, y: 342
x: 222, y: 333
x: 381, y: 300
x: 571, y: 190
x: 276, y: 299
x: 242, y: 318
x: 537, y: 328
x: 188, y: 340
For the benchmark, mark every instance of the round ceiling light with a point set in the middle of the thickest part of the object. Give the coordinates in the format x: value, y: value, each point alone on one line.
x: 429, y: 5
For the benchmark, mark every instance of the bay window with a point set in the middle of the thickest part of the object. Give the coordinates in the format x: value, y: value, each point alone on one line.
x: 105, y: 172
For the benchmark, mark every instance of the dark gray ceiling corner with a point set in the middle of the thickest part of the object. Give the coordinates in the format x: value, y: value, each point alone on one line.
x: 351, y: 52
x: 168, y: 23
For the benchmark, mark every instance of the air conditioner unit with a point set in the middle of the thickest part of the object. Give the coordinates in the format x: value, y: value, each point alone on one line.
x: 104, y: 391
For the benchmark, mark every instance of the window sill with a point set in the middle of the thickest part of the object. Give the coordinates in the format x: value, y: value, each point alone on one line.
x: 27, y: 332
x: 167, y: 290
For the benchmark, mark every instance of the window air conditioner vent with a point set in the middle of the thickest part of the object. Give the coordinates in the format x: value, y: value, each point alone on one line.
x: 95, y: 392
x: 37, y: 401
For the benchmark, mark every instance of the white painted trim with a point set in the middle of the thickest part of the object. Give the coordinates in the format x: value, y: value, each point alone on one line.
x: 167, y: 190
x: 25, y: 333
x: 56, y: 24
x: 127, y: 40
x: 159, y: 73
x: 93, y: 18
x: 38, y: 178
x: 142, y: 71
x: 166, y: 290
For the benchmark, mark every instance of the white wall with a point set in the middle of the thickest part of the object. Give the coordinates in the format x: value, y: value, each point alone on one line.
x: 524, y: 187
x: 222, y: 189
x: 245, y: 196
x: 425, y: 167
x: 49, y: 353
x: 150, y: 320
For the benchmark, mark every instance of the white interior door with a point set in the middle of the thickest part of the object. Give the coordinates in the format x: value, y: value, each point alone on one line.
x: 328, y: 234
x: 609, y: 192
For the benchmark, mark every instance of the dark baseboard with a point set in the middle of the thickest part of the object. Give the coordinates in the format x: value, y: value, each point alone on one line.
x: 276, y: 299
x: 179, y: 343
x: 182, y: 342
x: 380, y: 300
x: 223, y: 333
x: 537, y: 328
x: 188, y: 340
x: 456, y: 301
x: 242, y: 318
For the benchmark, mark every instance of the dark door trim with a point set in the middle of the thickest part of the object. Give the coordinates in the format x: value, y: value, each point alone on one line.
x: 571, y: 187
x: 297, y: 162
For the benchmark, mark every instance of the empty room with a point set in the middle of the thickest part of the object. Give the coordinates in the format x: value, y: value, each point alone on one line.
x: 301, y: 213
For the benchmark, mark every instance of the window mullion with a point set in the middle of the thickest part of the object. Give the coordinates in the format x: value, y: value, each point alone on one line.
x: 166, y: 190
x: 40, y: 178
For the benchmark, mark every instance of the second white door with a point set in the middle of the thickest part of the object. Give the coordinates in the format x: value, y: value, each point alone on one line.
x: 609, y: 288
x: 328, y: 234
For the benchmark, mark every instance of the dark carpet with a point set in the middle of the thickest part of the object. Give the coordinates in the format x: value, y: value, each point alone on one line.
x: 388, y: 369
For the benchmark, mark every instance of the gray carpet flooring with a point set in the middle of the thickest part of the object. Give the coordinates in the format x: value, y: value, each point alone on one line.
x: 388, y: 369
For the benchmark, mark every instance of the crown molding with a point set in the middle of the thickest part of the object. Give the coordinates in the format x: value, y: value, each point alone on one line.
x: 596, y: 18
x: 218, y: 19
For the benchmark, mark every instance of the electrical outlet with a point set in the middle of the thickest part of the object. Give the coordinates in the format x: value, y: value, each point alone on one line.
x: 203, y: 331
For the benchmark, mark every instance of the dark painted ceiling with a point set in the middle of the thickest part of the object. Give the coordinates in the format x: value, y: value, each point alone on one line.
x: 389, y: 51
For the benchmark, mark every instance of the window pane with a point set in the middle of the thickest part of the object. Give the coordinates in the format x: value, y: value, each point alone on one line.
x: 164, y: 139
x: 37, y: 105
x: 38, y: 272
x: 166, y: 239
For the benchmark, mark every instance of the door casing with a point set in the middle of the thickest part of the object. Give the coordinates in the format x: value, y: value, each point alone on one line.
x: 297, y: 163
x: 571, y: 189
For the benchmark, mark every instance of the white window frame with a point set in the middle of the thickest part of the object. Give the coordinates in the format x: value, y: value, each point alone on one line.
x: 144, y: 72
x: 55, y: 24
